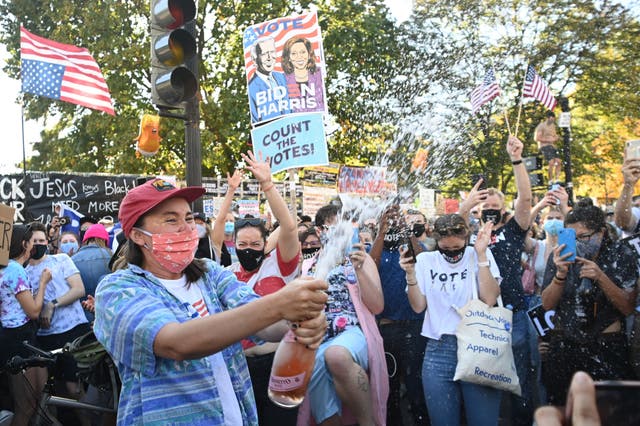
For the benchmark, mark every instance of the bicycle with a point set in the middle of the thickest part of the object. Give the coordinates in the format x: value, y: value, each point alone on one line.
x: 93, y: 364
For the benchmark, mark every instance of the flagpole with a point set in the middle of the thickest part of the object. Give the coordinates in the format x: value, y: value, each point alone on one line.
x: 504, y: 111
x: 24, y: 153
x: 521, y: 94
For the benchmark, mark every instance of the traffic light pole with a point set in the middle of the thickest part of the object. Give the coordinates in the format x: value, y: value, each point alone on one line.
x: 566, y: 140
x: 193, y: 151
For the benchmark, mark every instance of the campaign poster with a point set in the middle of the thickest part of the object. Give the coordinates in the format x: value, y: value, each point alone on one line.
x: 362, y: 180
x: 289, y: 142
x: 285, y: 67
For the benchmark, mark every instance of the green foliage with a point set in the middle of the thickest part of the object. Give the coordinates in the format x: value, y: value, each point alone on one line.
x: 391, y: 89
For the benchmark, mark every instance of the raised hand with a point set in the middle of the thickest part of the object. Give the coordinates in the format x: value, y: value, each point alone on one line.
x: 260, y: 168
x: 235, y: 180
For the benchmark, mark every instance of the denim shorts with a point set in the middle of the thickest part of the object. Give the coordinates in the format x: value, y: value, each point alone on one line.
x: 322, y: 391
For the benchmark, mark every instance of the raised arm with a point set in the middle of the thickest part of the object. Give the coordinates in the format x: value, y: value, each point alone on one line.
x: 217, y: 234
x: 488, y: 288
x: 622, y: 214
x: 417, y: 300
x: 368, y: 279
x: 288, y: 244
x: 474, y: 197
x: 522, y: 211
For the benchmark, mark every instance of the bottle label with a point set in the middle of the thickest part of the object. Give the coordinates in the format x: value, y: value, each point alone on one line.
x: 286, y: 384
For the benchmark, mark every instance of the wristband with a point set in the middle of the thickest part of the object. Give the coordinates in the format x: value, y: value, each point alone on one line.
x: 55, y: 303
x: 412, y: 283
x: 268, y: 188
x: 487, y: 264
x: 515, y: 163
x: 557, y: 278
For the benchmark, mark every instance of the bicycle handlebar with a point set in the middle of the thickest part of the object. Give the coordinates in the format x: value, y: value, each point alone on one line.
x: 17, y: 363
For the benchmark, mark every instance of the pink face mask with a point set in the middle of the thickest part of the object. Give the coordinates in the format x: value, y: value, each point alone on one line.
x: 173, y: 250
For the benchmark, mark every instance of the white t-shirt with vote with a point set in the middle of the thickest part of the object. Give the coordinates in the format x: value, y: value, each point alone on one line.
x: 192, y: 298
x: 447, y: 285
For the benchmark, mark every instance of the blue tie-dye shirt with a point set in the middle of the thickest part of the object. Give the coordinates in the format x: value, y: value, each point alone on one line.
x: 13, y: 280
x: 131, y: 308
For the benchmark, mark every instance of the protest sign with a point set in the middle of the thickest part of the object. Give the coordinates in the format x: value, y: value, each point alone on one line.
x: 289, y: 142
x: 6, y: 229
x: 362, y: 180
x: 35, y: 195
x: 326, y: 176
x: 284, y: 64
x: 249, y: 207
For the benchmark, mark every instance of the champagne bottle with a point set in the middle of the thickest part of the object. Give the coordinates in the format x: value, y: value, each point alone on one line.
x: 290, y: 372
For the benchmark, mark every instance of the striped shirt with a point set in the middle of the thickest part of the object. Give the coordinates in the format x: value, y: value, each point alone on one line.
x: 131, y: 308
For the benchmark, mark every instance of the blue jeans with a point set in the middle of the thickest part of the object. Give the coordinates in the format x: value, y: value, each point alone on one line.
x: 444, y: 396
x: 521, y: 406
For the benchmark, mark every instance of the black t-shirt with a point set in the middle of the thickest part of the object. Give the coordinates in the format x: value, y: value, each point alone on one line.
x: 506, y: 247
x: 581, y: 316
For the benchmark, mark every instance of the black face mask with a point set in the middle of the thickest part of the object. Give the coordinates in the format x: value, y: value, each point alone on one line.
x: 491, y: 215
x: 418, y: 229
x: 38, y: 251
x: 250, y: 259
x: 452, y: 256
x: 392, y: 239
x: 308, y: 253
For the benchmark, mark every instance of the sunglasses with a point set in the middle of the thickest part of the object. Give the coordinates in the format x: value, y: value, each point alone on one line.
x: 455, y: 231
x: 254, y: 221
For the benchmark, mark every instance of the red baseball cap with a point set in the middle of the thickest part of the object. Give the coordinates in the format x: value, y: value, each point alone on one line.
x: 96, y: 231
x: 145, y: 197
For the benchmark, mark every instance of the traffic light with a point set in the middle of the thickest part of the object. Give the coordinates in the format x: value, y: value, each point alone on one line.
x: 173, y: 45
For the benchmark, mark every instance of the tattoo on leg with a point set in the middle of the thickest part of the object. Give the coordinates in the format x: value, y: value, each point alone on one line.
x: 362, y: 380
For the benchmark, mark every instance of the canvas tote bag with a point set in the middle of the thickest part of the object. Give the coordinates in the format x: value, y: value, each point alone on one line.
x: 484, y: 344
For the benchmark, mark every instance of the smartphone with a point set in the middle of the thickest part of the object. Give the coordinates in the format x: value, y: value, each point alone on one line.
x: 567, y: 236
x: 410, y: 253
x: 476, y: 177
x: 617, y: 402
x: 632, y: 149
x: 355, y: 239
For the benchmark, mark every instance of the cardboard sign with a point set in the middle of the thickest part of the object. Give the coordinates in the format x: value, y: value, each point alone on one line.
x: 6, y: 229
x: 290, y: 142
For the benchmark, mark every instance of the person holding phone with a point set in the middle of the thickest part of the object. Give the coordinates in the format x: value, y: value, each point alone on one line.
x: 350, y: 372
x: 436, y: 282
x: 508, y: 235
x: 591, y: 297
x: 399, y: 325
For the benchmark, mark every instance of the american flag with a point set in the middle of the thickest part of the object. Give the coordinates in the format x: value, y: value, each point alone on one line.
x: 62, y: 71
x: 485, y: 92
x: 536, y: 88
x: 281, y: 30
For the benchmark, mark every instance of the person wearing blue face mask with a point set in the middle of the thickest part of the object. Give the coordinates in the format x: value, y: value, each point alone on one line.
x: 223, y: 234
x: 591, y: 297
x: 68, y: 243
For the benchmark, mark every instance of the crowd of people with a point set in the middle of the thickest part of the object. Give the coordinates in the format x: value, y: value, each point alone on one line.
x: 191, y: 309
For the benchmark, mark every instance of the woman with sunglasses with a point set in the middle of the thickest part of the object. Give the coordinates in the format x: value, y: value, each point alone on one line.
x: 19, y: 310
x: 591, y: 297
x: 266, y: 272
x: 438, y: 281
